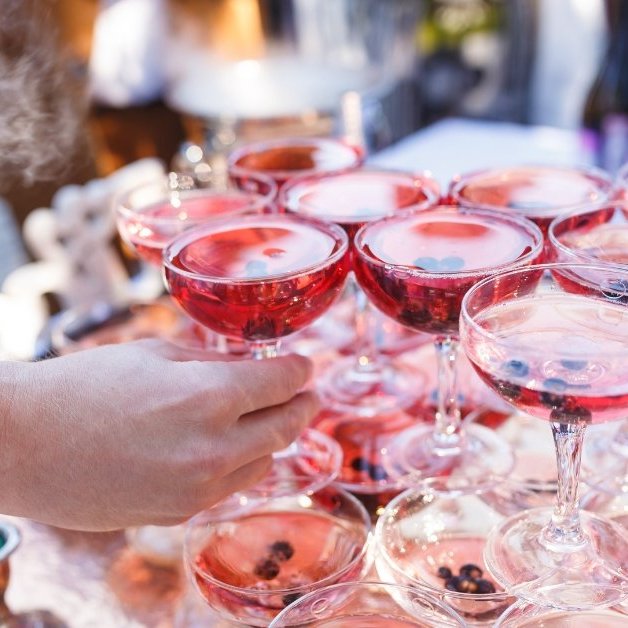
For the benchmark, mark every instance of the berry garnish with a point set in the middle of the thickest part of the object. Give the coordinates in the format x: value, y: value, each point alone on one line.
x: 516, y: 368
x: 289, y: 598
x: 551, y: 396
x: 471, y: 571
x: 467, y: 585
x: 377, y: 472
x: 267, y: 569
x: 508, y: 390
x: 452, y: 584
x: 444, y: 572
x: 484, y: 586
x: 281, y: 550
x: 427, y: 263
x: 360, y: 464
x: 573, y: 365
x: 451, y: 263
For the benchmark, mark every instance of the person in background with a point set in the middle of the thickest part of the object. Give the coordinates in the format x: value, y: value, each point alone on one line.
x: 130, y: 434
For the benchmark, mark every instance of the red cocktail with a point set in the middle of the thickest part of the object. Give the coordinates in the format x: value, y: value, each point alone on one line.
x: 539, y: 193
x: 366, y: 383
x: 152, y: 214
x: 283, y: 159
x: 416, y: 269
x: 557, y: 349
x: 258, y: 279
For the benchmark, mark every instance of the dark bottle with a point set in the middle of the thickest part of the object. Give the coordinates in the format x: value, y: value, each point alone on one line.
x: 606, y: 109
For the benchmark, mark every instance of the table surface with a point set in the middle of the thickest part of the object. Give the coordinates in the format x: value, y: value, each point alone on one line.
x: 96, y: 580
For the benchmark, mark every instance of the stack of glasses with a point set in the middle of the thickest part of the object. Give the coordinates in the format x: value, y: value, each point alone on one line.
x: 524, y: 268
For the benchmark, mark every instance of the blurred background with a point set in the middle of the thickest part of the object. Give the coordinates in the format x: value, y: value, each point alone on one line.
x: 157, y: 73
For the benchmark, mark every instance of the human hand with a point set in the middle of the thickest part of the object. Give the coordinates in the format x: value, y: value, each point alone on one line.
x: 142, y: 433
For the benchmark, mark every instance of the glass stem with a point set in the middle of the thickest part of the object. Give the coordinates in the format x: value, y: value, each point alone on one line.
x: 264, y: 349
x: 366, y: 358
x: 448, y: 431
x: 563, y: 533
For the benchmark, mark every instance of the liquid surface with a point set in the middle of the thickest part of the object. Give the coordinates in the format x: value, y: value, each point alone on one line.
x: 321, y: 156
x: 150, y: 229
x: 236, y: 550
x: 562, y: 357
x: 439, y: 242
x: 356, y: 197
x: 607, y: 242
x: 261, y: 250
x: 533, y: 191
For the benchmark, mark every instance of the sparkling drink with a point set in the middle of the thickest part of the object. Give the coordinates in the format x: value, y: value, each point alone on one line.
x: 283, y: 159
x: 269, y: 552
x: 537, y: 192
x: 257, y: 278
x: 572, y: 387
x: 599, y: 234
x: 417, y: 269
x: 251, y: 561
x: 152, y: 214
x: 553, y: 341
x: 351, y: 199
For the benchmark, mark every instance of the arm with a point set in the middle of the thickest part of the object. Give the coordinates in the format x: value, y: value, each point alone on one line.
x: 141, y: 433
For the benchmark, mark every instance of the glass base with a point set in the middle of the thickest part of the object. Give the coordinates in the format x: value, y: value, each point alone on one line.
x: 605, y: 464
x: 587, y: 576
x: 307, y: 465
x: 381, y: 388
x: 481, y: 460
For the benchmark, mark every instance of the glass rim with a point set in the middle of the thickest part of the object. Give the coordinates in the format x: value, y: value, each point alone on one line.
x: 469, y: 321
x: 557, y: 245
x: 258, y: 200
x: 368, y: 584
x: 187, y: 237
x: 289, y: 142
x: 429, y: 186
x: 201, y: 519
x: 462, y: 180
x: 382, y: 549
x: 401, y: 216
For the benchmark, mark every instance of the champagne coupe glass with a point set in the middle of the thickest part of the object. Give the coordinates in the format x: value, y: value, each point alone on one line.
x: 525, y: 615
x: 153, y: 213
x: 368, y: 605
x: 539, y: 193
x: 598, y: 235
x: 433, y: 540
x: 416, y: 269
x: 553, y: 341
x: 365, y: 384
x: 251, y: 559
x: 258, y: 279
x: 285, y: 158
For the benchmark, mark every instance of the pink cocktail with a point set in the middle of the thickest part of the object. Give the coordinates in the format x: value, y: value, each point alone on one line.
x: 249, y: 563
x: 539, y: 193
x: 257, y: 279
x: 152, y: 214
x: 553, y: 341
x: 597, y: 235
x: 283, y: 159
x: 365, y: 383
x: 416, y: 269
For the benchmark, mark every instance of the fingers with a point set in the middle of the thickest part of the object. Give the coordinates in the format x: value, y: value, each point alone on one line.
x: 266, y: 431
x: 258, y: 384
x: 238, y: 480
